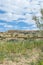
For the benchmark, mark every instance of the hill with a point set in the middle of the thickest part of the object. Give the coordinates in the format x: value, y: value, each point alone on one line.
x: 21, y: 34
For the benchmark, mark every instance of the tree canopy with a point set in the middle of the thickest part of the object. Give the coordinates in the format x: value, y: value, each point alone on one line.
x: 39, y: 20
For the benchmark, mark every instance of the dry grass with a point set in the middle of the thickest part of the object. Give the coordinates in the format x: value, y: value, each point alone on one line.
x: 21, y: 52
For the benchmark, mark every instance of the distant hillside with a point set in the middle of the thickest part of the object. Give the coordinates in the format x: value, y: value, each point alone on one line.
x: 23, y: 31
x: 21, y: 34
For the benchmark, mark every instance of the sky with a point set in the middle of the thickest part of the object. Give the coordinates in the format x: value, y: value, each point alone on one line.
x: 17, y: 14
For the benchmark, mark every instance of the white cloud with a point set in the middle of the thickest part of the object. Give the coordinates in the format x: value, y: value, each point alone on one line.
x: 2, y: 24
x: 8, y: 26
x: 5, y: 25
x: 16, y: 9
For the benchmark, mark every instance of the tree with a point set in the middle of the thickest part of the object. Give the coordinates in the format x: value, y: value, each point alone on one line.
x: 39, y: 20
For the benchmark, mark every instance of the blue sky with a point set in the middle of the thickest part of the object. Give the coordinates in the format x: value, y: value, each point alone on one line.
x: 17, y: 14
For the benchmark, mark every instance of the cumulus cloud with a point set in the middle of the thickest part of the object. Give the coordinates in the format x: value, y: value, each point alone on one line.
x: 16, y: 8
x: 20, y: 10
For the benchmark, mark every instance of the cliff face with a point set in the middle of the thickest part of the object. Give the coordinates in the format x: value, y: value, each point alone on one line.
x: 17, y: 34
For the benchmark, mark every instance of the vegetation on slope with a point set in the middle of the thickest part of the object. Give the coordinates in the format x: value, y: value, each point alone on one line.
x: 30, y: 51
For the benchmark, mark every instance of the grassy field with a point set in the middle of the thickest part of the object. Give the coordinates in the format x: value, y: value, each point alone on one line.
x: 21, y: 52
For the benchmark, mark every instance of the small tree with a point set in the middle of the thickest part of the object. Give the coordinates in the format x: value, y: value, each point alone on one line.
x: 39, y: 20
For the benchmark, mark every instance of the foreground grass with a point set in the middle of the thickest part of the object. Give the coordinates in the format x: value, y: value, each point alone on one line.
x: 20, y: 49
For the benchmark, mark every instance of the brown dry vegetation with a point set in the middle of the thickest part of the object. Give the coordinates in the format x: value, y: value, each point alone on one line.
x: 19, y: 48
